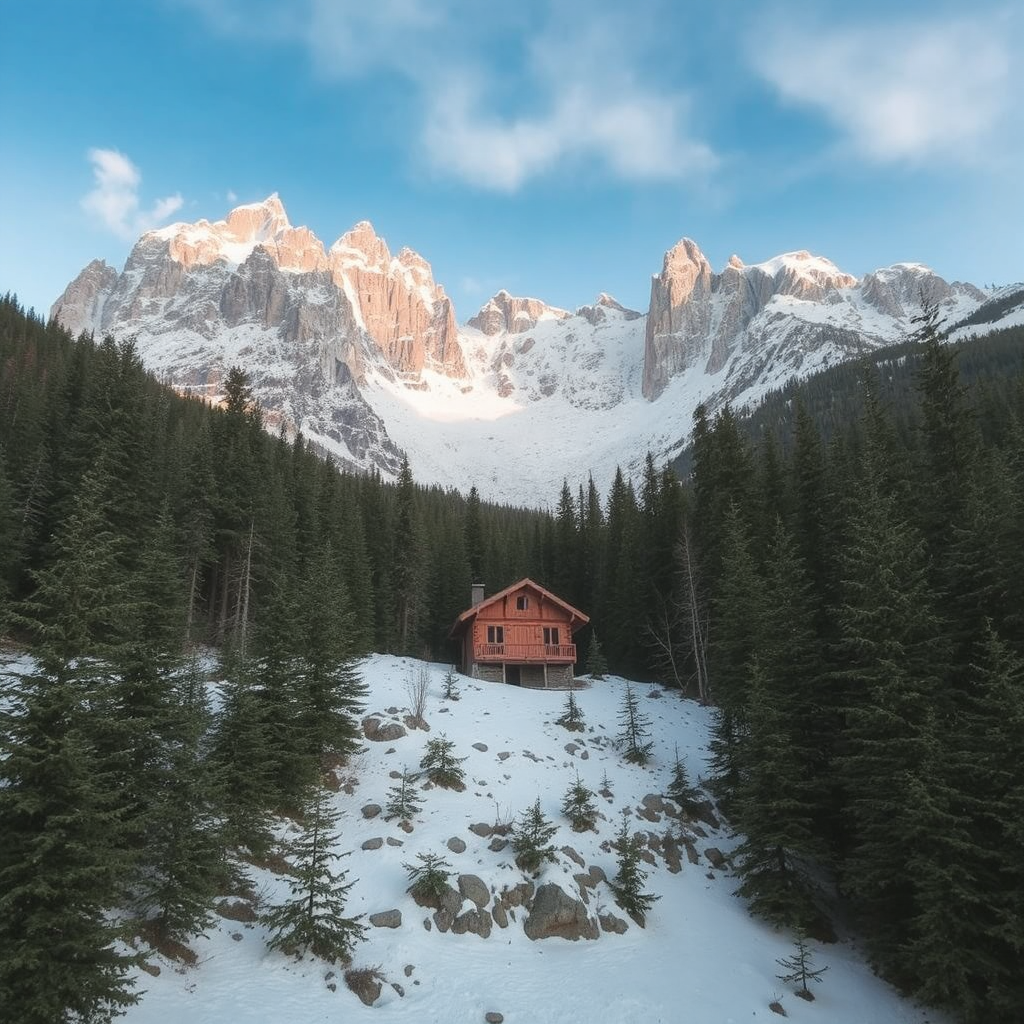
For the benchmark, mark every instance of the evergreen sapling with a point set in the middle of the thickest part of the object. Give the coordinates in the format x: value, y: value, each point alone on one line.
x: 628, y: 883
x: 313, y: 918
x: 578, y: 806
x: 404, y: 801
x: 428, y: 879
x: 441, y: 765
x: 531, y: 839
x: 572, y: 715
x: 635, y: 729
x: 799, y: 969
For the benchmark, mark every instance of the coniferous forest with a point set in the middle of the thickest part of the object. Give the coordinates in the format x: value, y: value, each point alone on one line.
x: 849, y: 596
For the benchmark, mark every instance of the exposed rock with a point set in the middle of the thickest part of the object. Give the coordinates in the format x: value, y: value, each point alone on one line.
x: 387, y: 919
x: 716, y: 858
x: 556, y: 914
x: 500, y: 915
x: 408, y: 969
x: 504, y: 755
x: 444, y: 920
x: 493, y: 1017
x: 482, y: 747
x: 398, y: 988
x: 382, y: 732
x: 373, y: 844
x: 236, y: 910
x: 520, y: 895
x: 497, y: 844
x: 476, y: 922
x: 574, y: 856
x: 611, y: 923
x: 416, y: 722
x: 365, y: 983
x: 456, y: 845
x: 371, y: 810
x: 392, y: 841
x: 513, y: 315
x: 481, y: 829
x: 473, y: 888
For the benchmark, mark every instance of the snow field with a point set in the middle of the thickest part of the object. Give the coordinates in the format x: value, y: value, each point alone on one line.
x: 700, y: 960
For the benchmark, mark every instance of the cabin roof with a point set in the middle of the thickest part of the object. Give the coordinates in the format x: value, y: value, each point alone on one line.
x: 577, y: 619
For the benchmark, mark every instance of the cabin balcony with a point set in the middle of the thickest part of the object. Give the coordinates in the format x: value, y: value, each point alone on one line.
x: 524, y: 653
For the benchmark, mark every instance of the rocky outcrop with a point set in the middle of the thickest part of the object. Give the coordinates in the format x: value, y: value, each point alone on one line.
x: 401, y: 307
x: 556, y: 914
x: 80, y: 308
x: 597, y: 313
x: 513, y: 315
x: 779, y: 312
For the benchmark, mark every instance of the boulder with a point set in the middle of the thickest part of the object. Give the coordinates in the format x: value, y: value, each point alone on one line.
x: 611, y: 923
x: 387, y: 919
x: 366, y: 984
x: 371, y: 810
x: 500, y: 915
x: 373, y: 844
x: 716, y: 858
x: 456, y: 845
x: 493, y: 1017
x: 482, y: 747
x: 556, y: 914
x: 476, y: 922
x: 481, y: 829
x: 473, y: 888
x: 382, y: 732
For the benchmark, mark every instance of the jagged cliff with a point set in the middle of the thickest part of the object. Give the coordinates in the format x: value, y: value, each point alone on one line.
x: 360, y: 349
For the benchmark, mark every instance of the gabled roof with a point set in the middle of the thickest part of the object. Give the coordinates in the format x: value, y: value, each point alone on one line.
x: 578, y: 619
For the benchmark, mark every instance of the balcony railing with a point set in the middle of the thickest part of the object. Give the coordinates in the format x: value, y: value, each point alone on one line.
x: 524, y: 652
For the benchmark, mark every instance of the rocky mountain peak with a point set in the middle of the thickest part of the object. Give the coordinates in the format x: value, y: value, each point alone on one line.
x: 513, y: 314
x: 257, y: 222
x: 362, y: 244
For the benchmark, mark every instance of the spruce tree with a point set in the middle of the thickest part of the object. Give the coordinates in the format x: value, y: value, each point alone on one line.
x: 596, y: 665
x: 680, y: 789
x: 531, y: 838
x: 579, y: 807
x: 771, y: 811
x: 428, y: 879
x: 313, y: 918
x: 451, y: 690
x: 443, y: 768
x: 572, y: 714
x: 404, y: 801
x: 628, y: 884
x: 635, y: 729
x: 799, y: 969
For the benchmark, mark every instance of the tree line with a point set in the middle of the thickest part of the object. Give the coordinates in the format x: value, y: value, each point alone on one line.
x: 850, y: 600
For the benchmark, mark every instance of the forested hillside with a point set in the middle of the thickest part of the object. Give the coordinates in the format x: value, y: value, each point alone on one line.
x: 851, y: 600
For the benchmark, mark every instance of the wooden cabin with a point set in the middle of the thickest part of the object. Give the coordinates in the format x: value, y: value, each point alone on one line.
x: 522, y: 635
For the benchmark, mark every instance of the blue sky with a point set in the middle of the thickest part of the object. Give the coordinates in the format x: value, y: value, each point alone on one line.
x: 556, y: 148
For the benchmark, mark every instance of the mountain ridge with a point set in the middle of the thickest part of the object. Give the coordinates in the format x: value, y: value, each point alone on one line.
x: 360, y: 349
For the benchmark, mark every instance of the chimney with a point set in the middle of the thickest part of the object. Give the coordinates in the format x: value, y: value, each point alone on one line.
x: 477, y: 594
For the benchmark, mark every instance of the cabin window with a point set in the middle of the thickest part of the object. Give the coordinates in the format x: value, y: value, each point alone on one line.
x: 522, y: 603
x: 495, y: 634
x: 551, y: 636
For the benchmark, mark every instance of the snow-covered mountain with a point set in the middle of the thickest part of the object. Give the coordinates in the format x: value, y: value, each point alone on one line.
x: 361, y: 350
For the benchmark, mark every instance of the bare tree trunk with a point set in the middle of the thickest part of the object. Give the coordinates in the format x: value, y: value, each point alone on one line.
x: 698, y: 628
x: 242, y: 614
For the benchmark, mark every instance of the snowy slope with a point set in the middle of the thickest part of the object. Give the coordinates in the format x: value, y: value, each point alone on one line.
x: 701, y: 959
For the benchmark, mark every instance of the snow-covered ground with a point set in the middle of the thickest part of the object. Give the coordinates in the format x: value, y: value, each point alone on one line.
x: 700, y: 959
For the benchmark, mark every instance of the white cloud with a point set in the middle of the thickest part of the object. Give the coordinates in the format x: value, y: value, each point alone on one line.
x: 637, y: 135
x: 114, y: 200
x: 232, y: 196
x: 502, y: 93
x: 902, y: 93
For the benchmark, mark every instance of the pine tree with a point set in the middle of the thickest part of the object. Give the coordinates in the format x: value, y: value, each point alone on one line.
x: 680, y: 789
x: 404, y: 801
x: 596, y: 665
x: 628, y: 884
x: 579, y: 807
x: 635, y: 729
x: 451, y: 690
x: 572, y: 715
x: 531, y: 838
x: 771, y: 811
x: 428, y: 879
x: 441, y: 765
x: 313, y: 918
x: 799, y: 969
x: 184, y: 853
